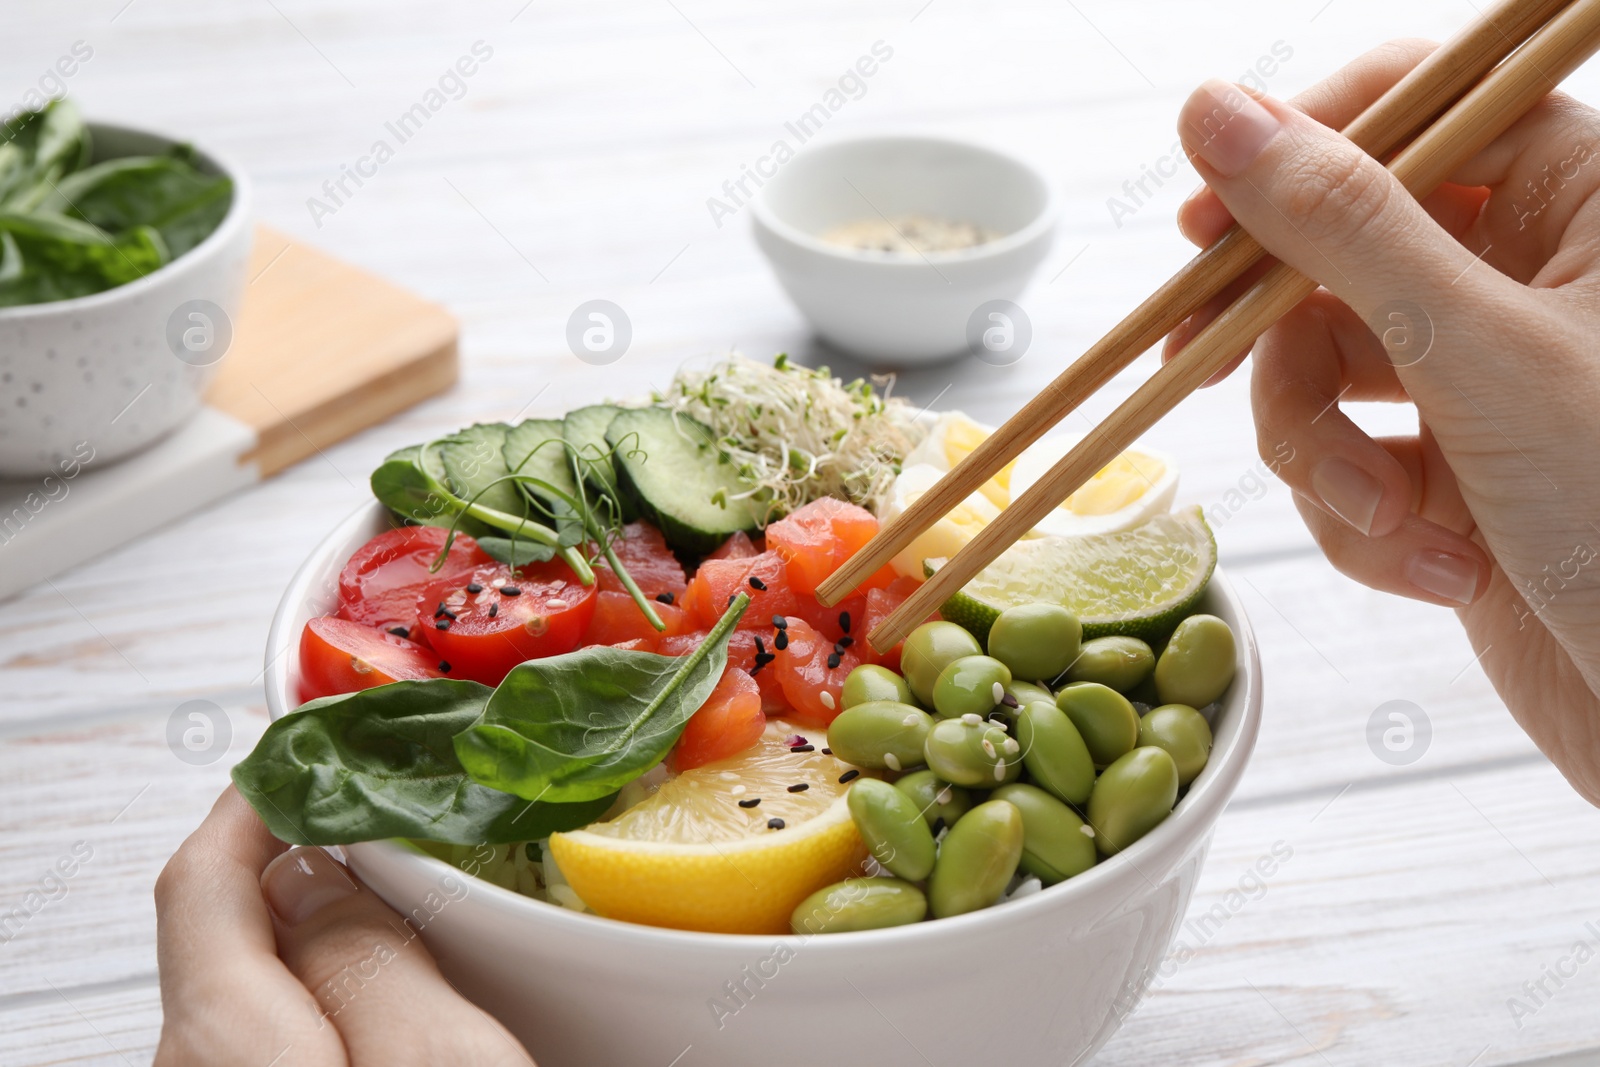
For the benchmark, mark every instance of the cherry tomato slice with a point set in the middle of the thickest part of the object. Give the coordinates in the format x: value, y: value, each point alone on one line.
x: 487, y: 621
x: 380, y: 583
x: 812, y: 670
x: 340, y: 656
x: 729, y: 722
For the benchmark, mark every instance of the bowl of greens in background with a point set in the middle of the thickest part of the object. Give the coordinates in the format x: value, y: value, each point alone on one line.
x: 122, y: 259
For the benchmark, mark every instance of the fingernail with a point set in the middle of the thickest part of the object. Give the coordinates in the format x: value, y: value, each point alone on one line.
x: 1226, y: 127
x: 1444, y: 575
x: 302, y: 882
x: 1350, y: 492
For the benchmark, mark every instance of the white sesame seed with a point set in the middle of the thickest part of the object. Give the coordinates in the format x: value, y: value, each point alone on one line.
x: 736, y: 791
x: 988, y: 748
x: 728, y: 776
x: 891, y: 761
x: 944, y: 796
x: 999, y: 692
x: 999, y: 772
x: 1011, y: 746
x: 557, y: 604
x: 1086, y: 830
x: 827, y: 699
x: 911, y: 720
x: 972, y: 720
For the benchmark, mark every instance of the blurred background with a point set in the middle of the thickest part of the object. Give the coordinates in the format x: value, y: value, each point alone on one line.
x: 1424, y: 891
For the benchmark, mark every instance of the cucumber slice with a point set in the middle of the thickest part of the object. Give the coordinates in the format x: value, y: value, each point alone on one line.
x: 671, y: 469
x: 537, y: 448
x: 585, y: 431
x: 473, y: 459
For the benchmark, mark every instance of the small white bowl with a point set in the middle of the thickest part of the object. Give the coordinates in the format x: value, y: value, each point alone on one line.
x: 1047, y: 978
x: 102, y: 376
x: 903, y: 309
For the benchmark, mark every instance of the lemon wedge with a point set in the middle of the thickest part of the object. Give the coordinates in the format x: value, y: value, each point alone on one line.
x: 688, y: 856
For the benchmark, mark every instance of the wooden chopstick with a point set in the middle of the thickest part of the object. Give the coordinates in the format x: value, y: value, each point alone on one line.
x: 1397, y: 116
x: 1483, y: 114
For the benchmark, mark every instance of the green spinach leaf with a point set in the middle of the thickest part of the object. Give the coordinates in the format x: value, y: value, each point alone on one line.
x: 580, y: 726
x: 516, y: 553
x: 379, y: 763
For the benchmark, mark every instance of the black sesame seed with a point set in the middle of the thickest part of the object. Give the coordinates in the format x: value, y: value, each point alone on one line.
x: 774, y: 824
x: 442, y: 624
x: 760, y: 648
x: 664, y: 598
x: 780, y: 622
x: 752, y: 802
x: 474, y: 587
x: 494, y: 609
x: 802, y: 748
x: 799, y: 787
x: 844, y: 643
x: 849, y: 776
x: 447, y: 613
x: 781, y: 642
x: 1010, y: 701
x: 844, y: 621
x: 833, y: 661
x: 443, y: 666
x: 731, y: 598
x: 938, y: 824
x: 400, y: 631
x: 438, y: 612
x: 757, y: 584
x: 827, y: 752
x: 510, y: 590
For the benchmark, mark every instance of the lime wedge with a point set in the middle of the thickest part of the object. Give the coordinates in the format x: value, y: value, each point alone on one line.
x: 1139, y: 582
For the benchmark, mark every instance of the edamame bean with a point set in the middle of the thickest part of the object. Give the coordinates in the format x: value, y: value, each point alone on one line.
x: 1056, y: 844
x: 971, y: 685
x: 892, y: 828
x: 1183, y: 732
x: 972, y: 752
x: 1117, y: 662
x: 929, y: 649
x: 936, y: 798
x: 859, y: 904
x: 872, y: 682
x: 1054, y: 752
x: 977, y: 859
x: 880, y: 734
x: 1036, y: 640
x: 1198, y: 663
x: 1103, y: 716
x: 1131, y: 797
x: 1028, y: 692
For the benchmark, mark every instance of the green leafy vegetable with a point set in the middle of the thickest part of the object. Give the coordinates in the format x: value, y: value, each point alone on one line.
x: 69, y: 228
x: 516, y: 553
x: 379, y: 763
x: 581, y: 726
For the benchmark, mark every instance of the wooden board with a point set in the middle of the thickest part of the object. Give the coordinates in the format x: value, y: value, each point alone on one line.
x: 323, y: 350
x: 326, y: 349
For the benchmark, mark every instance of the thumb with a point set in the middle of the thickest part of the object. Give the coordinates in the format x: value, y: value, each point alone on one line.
x: 1322, y: 205
x: 369, y: 972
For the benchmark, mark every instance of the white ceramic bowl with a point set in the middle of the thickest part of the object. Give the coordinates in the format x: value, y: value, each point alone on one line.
x: 96, y: 375
x: 1043, y: 979
x: 897, y: 310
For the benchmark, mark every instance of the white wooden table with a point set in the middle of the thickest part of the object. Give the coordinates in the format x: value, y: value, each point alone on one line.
x: 1417, y: 899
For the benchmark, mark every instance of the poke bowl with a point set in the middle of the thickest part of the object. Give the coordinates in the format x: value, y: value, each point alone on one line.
x: 1046, y: 974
